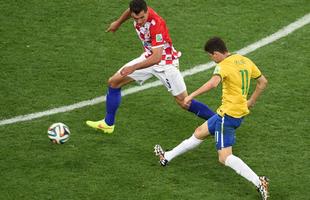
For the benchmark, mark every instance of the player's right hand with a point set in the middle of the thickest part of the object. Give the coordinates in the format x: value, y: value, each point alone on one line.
x: 113, y: 26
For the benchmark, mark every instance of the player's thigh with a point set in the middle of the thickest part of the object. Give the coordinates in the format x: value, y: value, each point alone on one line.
x: 202, y: 132
x: 139, y: 75
x: 172, y: 79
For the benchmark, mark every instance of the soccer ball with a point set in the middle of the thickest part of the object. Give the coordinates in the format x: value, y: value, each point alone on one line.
x: 58, y: 133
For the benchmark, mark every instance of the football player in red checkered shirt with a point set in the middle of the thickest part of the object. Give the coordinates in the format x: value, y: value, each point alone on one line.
x: 159, y: 59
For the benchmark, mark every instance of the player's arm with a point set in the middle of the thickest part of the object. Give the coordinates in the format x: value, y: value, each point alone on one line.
x: 116, y: 24
x: 212, y: 83
x: 155, y: 58
x: 260, y: 86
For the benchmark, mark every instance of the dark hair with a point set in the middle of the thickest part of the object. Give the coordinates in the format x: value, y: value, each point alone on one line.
x: 137, y: 6
x: 215, y: 44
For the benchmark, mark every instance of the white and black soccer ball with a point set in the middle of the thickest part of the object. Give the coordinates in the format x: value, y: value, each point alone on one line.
x: 58, y: 133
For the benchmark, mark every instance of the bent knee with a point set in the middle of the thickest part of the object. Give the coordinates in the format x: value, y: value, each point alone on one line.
x: 113, y: 82
x: 201, y: 133
x: 110, y: 81
x: 223, y: 157
x: 198, y: 130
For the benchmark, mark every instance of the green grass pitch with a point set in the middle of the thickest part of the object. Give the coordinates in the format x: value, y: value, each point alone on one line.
x: 56, y: 53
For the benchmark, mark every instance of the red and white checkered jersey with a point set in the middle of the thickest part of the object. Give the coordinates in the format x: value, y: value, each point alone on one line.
x: 154, y: 33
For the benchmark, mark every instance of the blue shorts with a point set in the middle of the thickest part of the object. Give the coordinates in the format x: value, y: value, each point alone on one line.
x: 223, y: 129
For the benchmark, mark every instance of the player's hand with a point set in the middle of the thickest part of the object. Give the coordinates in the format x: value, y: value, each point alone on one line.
x: 187, y: 100
x: 127, y: 70
x: 113, y: 26
x: 251, y: 103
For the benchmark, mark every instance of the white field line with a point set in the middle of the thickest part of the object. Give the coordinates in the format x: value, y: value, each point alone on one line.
x: 199, y: 68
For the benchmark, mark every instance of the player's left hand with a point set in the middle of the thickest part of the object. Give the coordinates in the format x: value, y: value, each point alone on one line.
x: 250, y: 103
x: 187, y: 100
x: 127, y: 70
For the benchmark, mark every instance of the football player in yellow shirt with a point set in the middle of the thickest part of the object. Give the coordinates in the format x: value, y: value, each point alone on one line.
x: 234, y: 72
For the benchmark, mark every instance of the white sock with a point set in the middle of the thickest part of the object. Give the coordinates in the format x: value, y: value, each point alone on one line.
x: 183, y: 147
x: 241, y: 168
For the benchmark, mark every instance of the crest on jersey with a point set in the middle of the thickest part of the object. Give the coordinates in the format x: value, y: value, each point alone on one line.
x: 159, y: 37
x: 217, y: 69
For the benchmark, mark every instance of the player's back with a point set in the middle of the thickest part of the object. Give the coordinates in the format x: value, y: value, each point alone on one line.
x: 236, y: 72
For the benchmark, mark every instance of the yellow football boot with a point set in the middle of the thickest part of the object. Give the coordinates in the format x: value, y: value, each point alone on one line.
x: 101, y: 125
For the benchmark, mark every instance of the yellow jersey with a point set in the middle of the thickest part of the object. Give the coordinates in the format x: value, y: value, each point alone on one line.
x: 236, y: 72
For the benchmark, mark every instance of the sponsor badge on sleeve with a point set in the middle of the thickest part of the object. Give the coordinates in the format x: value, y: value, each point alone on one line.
x: 159, y: 37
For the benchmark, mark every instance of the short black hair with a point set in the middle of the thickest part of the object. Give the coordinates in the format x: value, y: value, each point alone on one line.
x: 137, y: 6
x: 215, y: 44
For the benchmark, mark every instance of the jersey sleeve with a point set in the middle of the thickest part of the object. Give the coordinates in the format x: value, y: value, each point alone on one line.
x: 220, y: 71
x: 256, y: 73
x: 157, y: 34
